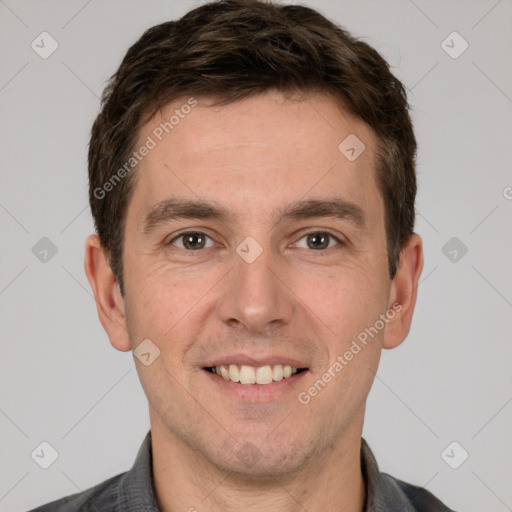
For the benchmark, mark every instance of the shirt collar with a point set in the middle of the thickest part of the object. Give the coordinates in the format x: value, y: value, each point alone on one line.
x: 382, y: 491
x: 136, y: 489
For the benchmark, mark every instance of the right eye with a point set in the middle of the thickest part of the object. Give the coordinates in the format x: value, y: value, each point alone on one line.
x: 191, y: 240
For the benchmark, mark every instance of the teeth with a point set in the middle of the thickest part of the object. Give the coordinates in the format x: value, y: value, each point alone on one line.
x: 278, y: 372
x: 234, y: 373
x: 264, y: 375
x: 251, y: 375
x: 247, y: 375
x: 224, y: 371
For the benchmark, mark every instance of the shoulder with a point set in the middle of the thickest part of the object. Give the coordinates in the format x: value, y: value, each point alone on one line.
x: 418, y: 498
x: 103, y: 496
x: 385, y: 492
x: 129, y: 491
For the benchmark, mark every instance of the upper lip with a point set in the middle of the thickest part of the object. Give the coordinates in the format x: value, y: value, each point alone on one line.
x: 242, y: 359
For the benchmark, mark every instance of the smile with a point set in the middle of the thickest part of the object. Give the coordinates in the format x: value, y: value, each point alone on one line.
x: 261, y: 375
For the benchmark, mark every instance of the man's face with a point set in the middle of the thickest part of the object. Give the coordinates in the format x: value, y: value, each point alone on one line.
x: 256, y: 287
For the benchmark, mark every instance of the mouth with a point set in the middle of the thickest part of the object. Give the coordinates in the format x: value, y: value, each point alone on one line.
x: 254, y: 375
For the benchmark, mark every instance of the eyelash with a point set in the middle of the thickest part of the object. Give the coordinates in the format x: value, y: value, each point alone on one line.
x: 316, y: 231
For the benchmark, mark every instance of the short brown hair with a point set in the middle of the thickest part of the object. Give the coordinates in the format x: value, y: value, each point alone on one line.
x: 234, y: 49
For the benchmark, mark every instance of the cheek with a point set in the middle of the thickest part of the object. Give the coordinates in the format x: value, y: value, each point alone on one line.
x: 152, y: 286
x: 346, y: 302
x: 149, y: 312
x: 168, y: 306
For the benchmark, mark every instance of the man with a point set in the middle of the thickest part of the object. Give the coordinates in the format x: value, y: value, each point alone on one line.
x: 252, y: 184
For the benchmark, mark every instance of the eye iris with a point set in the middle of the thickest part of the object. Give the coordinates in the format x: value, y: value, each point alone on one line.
x: 321, y: 240
x: 190, y: 240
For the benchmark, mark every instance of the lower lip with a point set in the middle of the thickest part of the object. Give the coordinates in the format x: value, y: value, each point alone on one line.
x: 256, y: 392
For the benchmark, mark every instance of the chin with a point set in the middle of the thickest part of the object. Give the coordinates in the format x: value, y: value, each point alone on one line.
x: 262, y: 461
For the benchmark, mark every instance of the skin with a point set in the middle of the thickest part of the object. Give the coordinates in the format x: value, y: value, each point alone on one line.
x: 253, y: 156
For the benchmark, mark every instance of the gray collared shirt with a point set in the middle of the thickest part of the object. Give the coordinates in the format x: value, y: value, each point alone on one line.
x: 133, y: 491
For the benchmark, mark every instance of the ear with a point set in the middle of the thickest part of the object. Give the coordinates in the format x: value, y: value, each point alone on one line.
x: 403, y: 291
x: 109, y: 302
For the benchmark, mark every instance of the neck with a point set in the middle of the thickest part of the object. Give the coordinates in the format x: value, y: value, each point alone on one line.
x: 187, y: 481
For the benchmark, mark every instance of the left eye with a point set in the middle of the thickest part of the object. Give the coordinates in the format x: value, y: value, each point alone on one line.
x: 319, y: 240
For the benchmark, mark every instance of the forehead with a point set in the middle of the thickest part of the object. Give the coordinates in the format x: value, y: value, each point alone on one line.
x: 262, y: 151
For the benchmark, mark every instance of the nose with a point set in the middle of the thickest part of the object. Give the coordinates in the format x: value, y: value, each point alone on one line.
x: 257, y: 295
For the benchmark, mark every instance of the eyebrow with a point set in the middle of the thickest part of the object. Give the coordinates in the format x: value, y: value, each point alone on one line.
x: 177, y: 209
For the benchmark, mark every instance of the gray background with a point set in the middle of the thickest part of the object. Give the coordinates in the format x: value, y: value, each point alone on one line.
x: 62, y: 382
